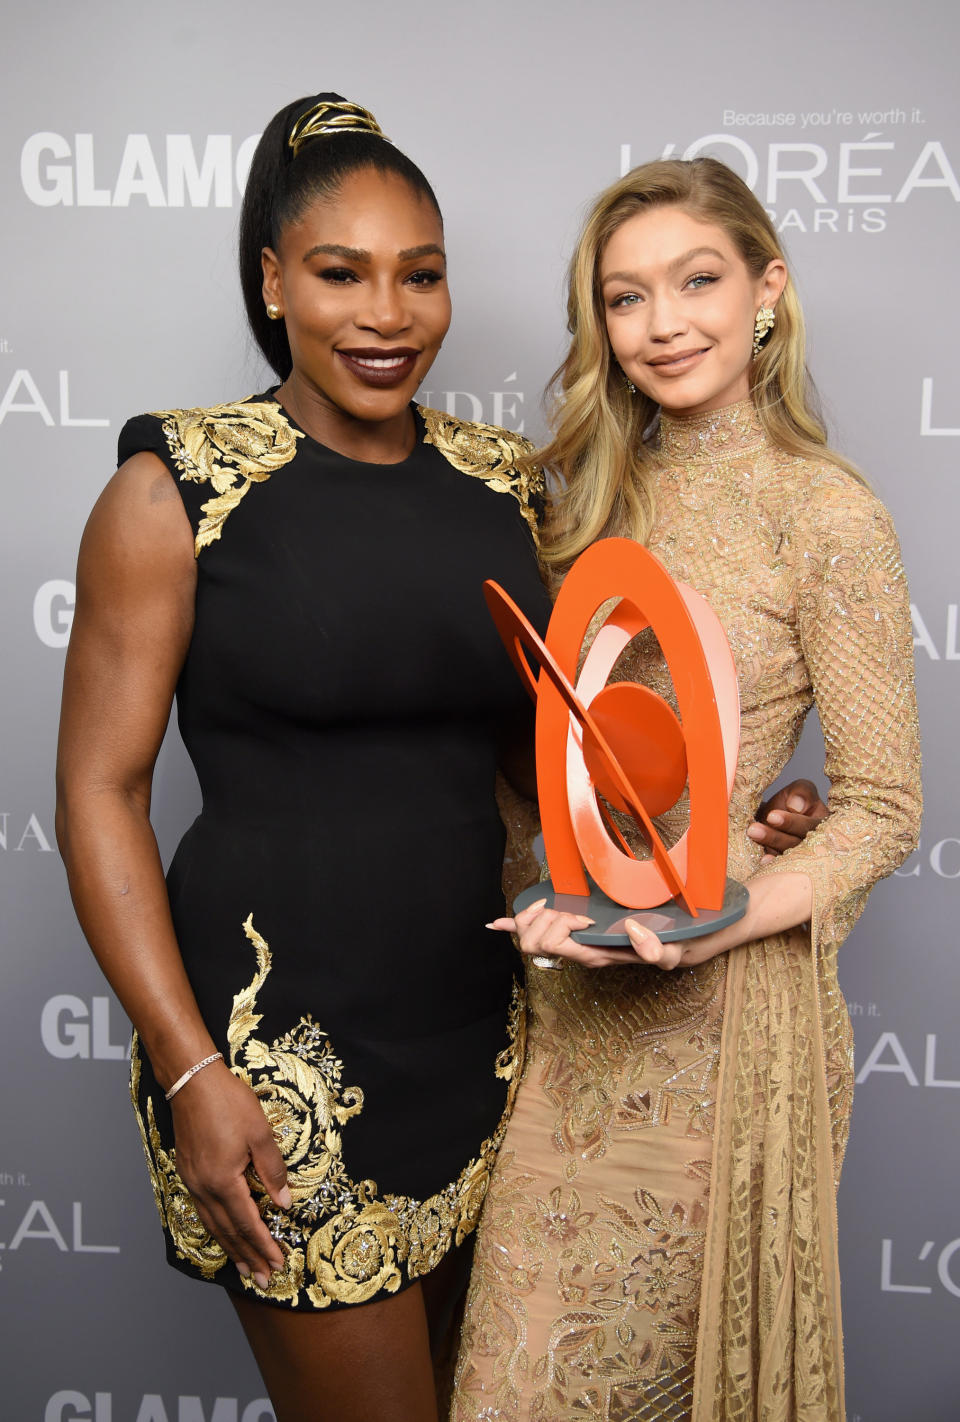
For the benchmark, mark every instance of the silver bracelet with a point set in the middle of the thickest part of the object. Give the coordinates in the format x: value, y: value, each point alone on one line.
x: 192, y: 1071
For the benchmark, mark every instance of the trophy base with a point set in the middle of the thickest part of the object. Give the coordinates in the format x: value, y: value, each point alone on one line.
x: 669, y: 921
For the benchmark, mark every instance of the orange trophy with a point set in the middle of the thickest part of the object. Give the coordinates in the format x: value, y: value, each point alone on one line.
x: 620, y: 745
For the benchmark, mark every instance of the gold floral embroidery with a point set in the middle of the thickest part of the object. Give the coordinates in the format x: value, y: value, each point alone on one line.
x: 645, y: 1053
x: 224, y: 444
x: 356, y: 1258
x: 489, y: 453
x: 178, y: 1213
x: 624, y: 1278
x: 343, y: 1241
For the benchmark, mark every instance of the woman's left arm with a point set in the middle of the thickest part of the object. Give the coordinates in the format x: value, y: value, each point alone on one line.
x: 853, y: 622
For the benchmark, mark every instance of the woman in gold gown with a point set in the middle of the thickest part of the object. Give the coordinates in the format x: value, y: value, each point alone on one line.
x: 659, y: 1238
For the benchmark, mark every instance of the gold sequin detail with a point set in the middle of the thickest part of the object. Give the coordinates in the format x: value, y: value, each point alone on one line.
x: 489, y: 453
x: 229, y: 447
x: 665, y: 1193
x: 343, y: 1240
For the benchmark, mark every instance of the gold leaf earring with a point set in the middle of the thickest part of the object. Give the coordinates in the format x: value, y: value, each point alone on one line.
x: 762, y: 325
x: 274, y: 312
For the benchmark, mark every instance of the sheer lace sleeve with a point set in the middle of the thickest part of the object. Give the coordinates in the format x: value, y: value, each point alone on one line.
x: 853, y: 619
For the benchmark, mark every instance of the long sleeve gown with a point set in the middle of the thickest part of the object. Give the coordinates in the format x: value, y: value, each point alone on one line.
x: 659, y: 1237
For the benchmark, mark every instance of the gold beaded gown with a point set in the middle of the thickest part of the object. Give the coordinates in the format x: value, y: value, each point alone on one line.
x: 659, y: 1237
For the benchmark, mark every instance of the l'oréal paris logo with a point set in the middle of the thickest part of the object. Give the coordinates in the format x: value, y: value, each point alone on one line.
x: 828, y: 185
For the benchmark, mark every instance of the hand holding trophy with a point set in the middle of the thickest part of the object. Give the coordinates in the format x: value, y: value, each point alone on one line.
x: 621, y: 746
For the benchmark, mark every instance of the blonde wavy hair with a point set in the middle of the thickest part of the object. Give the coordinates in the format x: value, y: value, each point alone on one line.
x: 599, y: 449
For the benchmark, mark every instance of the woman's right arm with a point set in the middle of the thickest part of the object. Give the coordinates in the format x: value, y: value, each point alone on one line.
x: 136, y: 583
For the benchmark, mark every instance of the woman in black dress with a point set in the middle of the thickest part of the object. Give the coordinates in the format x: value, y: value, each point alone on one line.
x: 328, y: 1038
x: 304, y: 569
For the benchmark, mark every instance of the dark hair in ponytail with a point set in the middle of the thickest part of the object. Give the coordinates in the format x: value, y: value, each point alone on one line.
x: 281, y: 187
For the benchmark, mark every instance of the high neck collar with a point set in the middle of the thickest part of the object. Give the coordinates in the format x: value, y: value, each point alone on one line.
x: 736, y: 429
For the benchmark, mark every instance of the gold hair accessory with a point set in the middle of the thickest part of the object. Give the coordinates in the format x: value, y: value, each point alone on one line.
x: 333, y: 116
x: 763, y: 323
x: 545, y: 960
x: 273, y: 311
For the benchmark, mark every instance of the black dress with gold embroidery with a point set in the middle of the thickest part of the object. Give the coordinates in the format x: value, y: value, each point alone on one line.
x: 342, y: 700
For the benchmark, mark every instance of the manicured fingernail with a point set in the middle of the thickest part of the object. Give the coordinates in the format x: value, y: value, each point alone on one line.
x: 263, y: 1280
x: 243, y: 1269
x: 755, y: 831
x: 491, y: 925
x: 795, y: 803
x: 632, y: 927
x: 587, y: 922
x: 775, y: 817
x: 285, y: 1198
x: 539, y: 904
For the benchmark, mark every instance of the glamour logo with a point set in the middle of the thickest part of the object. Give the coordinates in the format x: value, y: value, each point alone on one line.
x: 72, y: 1406
x: 927, y: 635
x: 58, y: 172
x: 846, y: 187
x: 53, y: 607
x: 889, y: 1055
x: 70, y: 1027
x: 503, y: 408
x: 927, y: 427
x: 944, y: 1261
x: 23, y: 397
x: 37, y: 1225
x: 19, y: 833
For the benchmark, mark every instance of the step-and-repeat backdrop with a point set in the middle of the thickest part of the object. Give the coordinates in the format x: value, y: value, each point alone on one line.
x: 127, y: 137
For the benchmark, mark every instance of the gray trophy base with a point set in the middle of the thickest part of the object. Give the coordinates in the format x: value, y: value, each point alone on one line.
x: 669, y: 921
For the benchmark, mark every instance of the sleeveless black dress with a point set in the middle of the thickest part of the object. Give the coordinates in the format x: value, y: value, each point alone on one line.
x: 342, y: 700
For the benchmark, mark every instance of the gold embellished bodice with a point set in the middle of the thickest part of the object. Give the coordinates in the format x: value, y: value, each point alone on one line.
x: 227, y: 448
